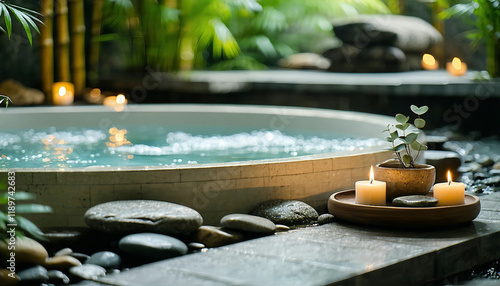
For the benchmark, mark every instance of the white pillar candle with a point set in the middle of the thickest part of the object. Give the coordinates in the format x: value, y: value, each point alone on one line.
x: 450, y: 193
x: 370, y: 192
x: 63, y: 93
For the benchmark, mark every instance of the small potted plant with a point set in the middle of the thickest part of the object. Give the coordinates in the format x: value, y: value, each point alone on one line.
x: 403, y: 175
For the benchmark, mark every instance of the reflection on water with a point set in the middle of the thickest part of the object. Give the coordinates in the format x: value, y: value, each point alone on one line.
x: 158, y: 146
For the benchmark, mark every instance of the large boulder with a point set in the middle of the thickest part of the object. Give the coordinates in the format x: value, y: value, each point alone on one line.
x: 143, y: 216
x: 410, y: 34
x: 21, y: 95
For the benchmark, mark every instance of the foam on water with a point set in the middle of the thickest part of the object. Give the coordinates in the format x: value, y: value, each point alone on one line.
x: 134, y: 146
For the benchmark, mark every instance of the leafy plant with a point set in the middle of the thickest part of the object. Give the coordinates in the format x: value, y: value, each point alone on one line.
x: 404, y: 142
x: 25, y: 16
x: 9, y: 207
x: 486, y: 23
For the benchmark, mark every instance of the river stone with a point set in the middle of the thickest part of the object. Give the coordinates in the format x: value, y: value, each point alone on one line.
x: 212, y: 236
x: 62, y: 263
x: 36, y: 274
x: 282, y: 227
x: 415, y: 201
x: 196, y: 245
x: 287, y: 212
x: 106, y: 259
x: 88, y: 271
x: 57, y: 277
x: 82, y: 257
x: 496, y: 166
x: 249, y: 223
x: 326, y: 218
x: 143, y: 216
x: 7, y: 280
x: 28, y: 251
x: 152, y: 245
x: 64, y: 252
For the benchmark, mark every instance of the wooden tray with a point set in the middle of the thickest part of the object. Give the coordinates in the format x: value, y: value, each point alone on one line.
x: 343, y: 206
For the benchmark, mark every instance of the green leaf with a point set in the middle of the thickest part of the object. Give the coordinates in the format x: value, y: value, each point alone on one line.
x: 33, y: 208
x: 415, y: 145
x: 394, y: 135
x: 419, y: 110
x: 419, y: 123
x: 389, y: 139
x: 8, y: 20
x: 29, y: 227
x: 401, y: 118
x: 403, y: 126
x: 410, y: 138
x: 400, y: 147
x: 407, y: 159
x: 20, y: 17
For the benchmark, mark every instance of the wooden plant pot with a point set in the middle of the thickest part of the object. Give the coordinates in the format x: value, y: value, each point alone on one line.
x: 405, y: 182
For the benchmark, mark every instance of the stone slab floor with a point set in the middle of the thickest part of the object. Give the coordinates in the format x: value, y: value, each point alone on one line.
x: 334, y: 254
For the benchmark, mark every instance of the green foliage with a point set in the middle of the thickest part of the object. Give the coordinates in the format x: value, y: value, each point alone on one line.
x: 484, y: 15
x: 6, y: 99
x: 10, y: 208
x: 225, y: 34
x: 26, y: 17
x: 403, y: 142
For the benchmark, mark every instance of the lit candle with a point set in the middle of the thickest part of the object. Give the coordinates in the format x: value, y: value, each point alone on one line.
x: 370, y: 192
x: 429, y: 62
x: 451, y: 193
x: 63, y: 93
x: 116, y: 102
x: 456, y: 67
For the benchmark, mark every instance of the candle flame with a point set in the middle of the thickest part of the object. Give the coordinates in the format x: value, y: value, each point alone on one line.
x: 371, y: 175
x: 456, y: 63
x: 449, y: 177
x: 62, y: 91
x: 120, y: 99
x: 428, y: 59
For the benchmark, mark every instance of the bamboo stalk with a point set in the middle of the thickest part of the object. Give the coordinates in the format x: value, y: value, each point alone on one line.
x: 94, y: 42
x: 63, y: 71
x: 77, y: 45
x: 47, y: 49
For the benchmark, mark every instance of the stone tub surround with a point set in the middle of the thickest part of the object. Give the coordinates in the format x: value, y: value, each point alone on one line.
x: 333, y: 254
x: 214, y: 190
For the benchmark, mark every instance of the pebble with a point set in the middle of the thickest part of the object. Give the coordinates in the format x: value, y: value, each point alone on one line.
x: 485, y: 161
x: 143, y: 216
x: 88, y: 271
x: 152, y: 245
x: 469, y: 167
x: 7, y: 280
x: 282, y: 227
x: 249, y: 223
x: 64, y: 252
x: 287, y: 212
x: 196, y: 245
x: 57, y: 277
x: 62, y: 263
x: 492, y: 181
x: 106, y: 259
x: 415, y: 201
x: 36, y: 274
x: 212, y: 236
x: 326, y: 218
x: 28, y: 251
x: 496, y: 166
x: 80, y: 256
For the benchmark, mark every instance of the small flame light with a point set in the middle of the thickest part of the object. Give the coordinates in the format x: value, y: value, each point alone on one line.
x: 118, y: 102
x: 429, y: 62
x: 456, y: 67
x: 63, y: 93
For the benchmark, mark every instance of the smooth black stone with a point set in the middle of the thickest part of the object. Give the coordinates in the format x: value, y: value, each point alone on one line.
x: 152, y: 245
x: 57, y: 277
x: 287, y: 212
x: 415, y: 201
x: 326, y: 218
x: 33, y: 274
x: 106, y: 259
